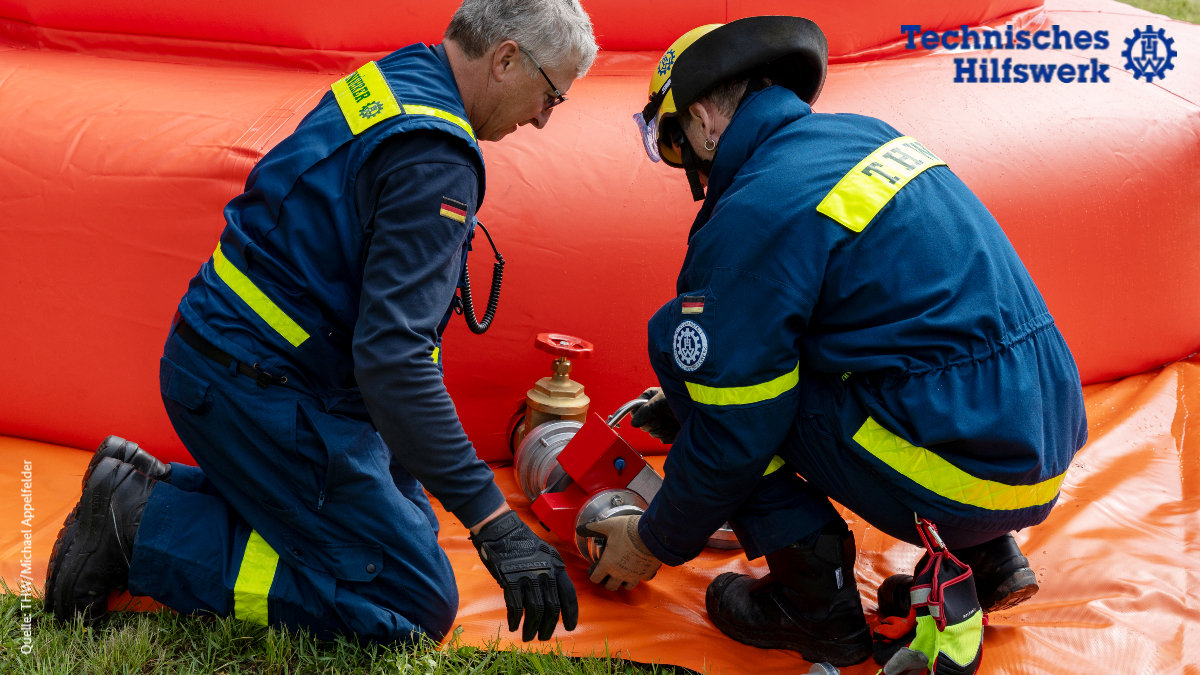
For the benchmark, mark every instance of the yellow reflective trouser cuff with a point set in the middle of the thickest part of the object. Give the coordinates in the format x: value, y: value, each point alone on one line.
x: 366, y: 99
x: 258, y: 301
x: 872, y: 183
x: 776, y: 463
x: 932, y: 472
x: 960, y: 642
x: 254, y: 581
x: 741, y: 395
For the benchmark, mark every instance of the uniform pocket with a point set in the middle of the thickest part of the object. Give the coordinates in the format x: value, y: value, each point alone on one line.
x: 183, y: 387
x: 356, y: 454
x: 348, y: 562
x: 289, y: 515
x: 312, y: 448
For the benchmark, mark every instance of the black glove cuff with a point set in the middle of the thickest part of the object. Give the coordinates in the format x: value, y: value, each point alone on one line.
x: 498, y: 528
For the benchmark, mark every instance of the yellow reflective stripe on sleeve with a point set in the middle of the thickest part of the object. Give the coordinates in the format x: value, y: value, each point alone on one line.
x: 932, y: 472
x: 254, y: 581
x: 366, y: 99
x: 862, y: 192
x: 263, y: 306
x: 776, y: 463
x: 426, y: 110
x: 437, y: 351
x: 741, y: 395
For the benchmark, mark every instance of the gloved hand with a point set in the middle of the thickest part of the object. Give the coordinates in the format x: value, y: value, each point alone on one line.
x: 625, y: 560
x: 532, y: 574
x: 655, y: 417
x: 945, y: 622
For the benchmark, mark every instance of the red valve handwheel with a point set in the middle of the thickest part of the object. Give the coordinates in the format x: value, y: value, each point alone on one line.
x: 563, y: 345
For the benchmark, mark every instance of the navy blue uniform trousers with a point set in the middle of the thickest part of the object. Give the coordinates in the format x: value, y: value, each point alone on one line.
x: 355, y: 535
x: 792, y: 502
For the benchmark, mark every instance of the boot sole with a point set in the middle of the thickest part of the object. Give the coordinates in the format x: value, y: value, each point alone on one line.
x: 61, y: 544
x: 103, y: 452
x: 848, y: 651
x: 93, y: 510
x: 1017, y: 588
x: 57, y: 555
x: 1020, y: 586
x: 156, y: 470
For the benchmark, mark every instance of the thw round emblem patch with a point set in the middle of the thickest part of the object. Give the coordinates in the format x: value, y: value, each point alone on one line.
x: 691, y: 346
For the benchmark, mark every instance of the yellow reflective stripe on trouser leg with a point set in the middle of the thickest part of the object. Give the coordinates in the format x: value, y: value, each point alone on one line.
x: 932, y: 472
x: 254, y: 581
x: 263, y: 306
x: 366, y: 99
x: 740, y: 395
x: 872, y: 183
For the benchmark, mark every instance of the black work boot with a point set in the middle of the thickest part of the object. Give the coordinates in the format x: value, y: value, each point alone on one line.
x: 117, y: 448
x: 1003, y: 578
x: 91, y: 556
x: 809, y: 602
x: 130, y: 453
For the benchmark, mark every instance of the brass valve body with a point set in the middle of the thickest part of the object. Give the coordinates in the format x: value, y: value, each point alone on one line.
x: 553, y: 398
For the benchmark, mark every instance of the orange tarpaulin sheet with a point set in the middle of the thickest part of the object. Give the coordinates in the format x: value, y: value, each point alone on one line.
x: 1118, y: 592
x: 114, y: 172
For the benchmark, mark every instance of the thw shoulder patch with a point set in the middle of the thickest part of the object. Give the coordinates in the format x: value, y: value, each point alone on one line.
x: 454, y: 210
x: 365, y: 98
x: 872, y: 183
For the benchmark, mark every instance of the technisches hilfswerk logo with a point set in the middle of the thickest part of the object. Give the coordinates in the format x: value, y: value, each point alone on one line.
x: 1148, y: 53
x: 690, y: 346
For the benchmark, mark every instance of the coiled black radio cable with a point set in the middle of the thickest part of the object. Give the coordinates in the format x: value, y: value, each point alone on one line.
x: 467, y: 306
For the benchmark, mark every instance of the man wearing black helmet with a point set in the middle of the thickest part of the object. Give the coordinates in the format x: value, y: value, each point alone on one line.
x: 851, y: 324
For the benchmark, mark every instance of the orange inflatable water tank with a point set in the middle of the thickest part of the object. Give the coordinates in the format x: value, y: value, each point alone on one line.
x: 117, y: 163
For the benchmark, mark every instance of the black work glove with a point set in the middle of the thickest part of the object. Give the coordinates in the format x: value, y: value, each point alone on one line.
x: 655, y: 417
x: 532, y: 574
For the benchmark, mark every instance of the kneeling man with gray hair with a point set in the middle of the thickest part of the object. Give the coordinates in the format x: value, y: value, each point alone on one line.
x: 303, y: 368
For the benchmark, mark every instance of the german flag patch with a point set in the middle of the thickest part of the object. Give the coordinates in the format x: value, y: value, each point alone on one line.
x: 454, y: 210
x: 693, y: 304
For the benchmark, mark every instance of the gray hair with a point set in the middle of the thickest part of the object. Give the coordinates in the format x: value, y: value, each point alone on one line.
x: 557, y: 32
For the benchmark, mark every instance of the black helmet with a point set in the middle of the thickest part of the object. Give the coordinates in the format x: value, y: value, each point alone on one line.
x: 790, y: 51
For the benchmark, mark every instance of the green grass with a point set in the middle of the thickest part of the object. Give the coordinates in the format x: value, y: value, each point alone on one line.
x: 165, y: 642
x: 1183, y: 10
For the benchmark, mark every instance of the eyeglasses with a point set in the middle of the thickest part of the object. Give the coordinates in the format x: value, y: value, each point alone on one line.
x: 558, y: 97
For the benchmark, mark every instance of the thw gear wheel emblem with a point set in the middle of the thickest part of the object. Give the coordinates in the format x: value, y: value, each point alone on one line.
x: 370, y: 110
x: 668, y: 60
x: 690, y: 346
x: 1145, y: 58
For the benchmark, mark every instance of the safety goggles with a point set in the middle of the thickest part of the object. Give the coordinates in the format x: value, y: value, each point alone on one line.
x: 648, y: 120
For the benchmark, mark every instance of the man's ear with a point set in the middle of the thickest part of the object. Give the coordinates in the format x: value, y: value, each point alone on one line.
x: 506, y: 57
x: 705, y: 118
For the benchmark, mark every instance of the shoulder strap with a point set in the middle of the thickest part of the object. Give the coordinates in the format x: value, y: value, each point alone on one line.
x: 366, y: 99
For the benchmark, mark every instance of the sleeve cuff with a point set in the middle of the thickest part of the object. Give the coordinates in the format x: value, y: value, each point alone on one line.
x: 658, y: 548
x: 480, y: 506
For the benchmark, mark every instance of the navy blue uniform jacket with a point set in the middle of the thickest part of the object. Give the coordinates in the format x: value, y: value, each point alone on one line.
x: 338, y: 265
x: 971, y: 400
